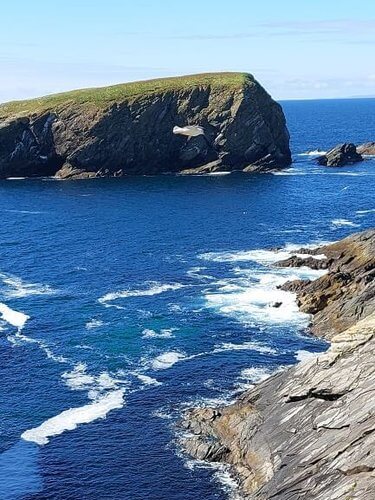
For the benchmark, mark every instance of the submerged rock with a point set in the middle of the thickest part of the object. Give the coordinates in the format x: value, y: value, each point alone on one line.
x: 308, y: 432
x: 158, y: 126
x: 343, y: 154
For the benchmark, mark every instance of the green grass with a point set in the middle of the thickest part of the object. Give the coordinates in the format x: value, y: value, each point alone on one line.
x: 104, y: 96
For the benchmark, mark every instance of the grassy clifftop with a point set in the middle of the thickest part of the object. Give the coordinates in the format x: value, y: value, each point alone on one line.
x: 103, y: 96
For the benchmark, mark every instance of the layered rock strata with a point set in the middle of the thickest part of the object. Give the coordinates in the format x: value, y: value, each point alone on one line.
x: 308, y: 432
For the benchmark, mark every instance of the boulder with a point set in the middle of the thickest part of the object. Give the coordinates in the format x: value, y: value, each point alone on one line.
x: 343, y: 154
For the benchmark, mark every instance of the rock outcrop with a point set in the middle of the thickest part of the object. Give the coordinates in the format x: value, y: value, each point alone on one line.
x: 128, y: 129
x: 308, y: 432
x: 368, y: 148
x: 341, y: 155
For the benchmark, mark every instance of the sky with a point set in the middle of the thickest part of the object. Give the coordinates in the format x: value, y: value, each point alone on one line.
x: 297, y: 49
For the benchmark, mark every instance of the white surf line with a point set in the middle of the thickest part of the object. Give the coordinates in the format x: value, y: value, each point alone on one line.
x: 155, y: 288
x: 19, y: 288
x: 169, y: 358
x: 364, y: 212
x: 343, y: 223
x: 254, y: 296
x: 316, y: 152
x: 70, y: 419
x: 15, y: 318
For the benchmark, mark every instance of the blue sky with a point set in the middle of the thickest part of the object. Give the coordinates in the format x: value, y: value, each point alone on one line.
x: 295, y: 48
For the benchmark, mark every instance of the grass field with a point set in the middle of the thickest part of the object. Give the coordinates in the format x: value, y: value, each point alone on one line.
x: 103, y: 96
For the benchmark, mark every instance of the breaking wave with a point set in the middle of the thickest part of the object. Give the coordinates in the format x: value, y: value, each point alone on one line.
x: 154, y: 288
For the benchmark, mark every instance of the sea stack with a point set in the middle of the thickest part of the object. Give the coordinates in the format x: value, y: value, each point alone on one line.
x: 128, y: 129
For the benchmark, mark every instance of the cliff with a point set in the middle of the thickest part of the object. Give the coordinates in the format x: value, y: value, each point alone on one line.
x: 308, y: 432
x: 128, y: 129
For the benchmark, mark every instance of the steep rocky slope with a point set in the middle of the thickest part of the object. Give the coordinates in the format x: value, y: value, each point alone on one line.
x: 128, y: 129
x: 308, y: 433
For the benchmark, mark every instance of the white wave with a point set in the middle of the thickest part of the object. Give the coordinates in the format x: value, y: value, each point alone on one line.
x: 362, y: 212
x: 315, y: 152
x: 19, y: 288
x: 263, y: 256
x: 155, y: 288
x: 195, y: 272
x: 70, y: 419
x: 256, y: 374
x: 343, y: 223
x: 165, y: 333
x: 302, y: 355
x: 162, y: 413
x: 15, y: 178
x: 291, y: 171
x: 94, y: 323
x: 31, y: 212
x: 51, y: 355
x: 228, y: 483
x: 260, y: 301
x: 148, y: 380
x: 166, y: 360
x: 223, y: 172
x: 77, y: 379
x: 246, y: 346
x: 14, y: 318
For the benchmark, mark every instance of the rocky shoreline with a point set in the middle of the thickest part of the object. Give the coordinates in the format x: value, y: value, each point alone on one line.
x: 308, y: 432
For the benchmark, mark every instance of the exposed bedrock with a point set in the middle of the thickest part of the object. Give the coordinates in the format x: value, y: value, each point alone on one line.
x: 128, y: 129
x: 308, y: 432
x: 368, y: 148
x: 341, y: 155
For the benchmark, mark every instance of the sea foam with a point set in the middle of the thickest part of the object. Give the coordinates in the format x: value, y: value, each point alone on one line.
x: 17, y: 288
x: 343, y: 223
x: 166, y: 360
x: 164, y: 333
x: 155, y: 288
x: 70, y: 419
x: 254, y: 295
x: 14, y: 318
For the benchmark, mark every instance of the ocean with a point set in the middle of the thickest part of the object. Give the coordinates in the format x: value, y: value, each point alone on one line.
x: 125, y: 301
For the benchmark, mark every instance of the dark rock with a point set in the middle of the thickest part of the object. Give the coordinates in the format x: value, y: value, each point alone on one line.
x: 124, y: 129
x: 310, y: 262
x: 343, y: 154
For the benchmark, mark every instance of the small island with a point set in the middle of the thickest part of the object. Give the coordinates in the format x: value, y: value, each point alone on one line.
x: 128, y: 129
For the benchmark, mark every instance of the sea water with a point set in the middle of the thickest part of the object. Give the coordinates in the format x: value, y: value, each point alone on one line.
x: 125, y: 301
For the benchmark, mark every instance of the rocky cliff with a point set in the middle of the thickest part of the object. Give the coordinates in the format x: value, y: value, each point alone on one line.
x: 128, y: 129
x: 308, y: 433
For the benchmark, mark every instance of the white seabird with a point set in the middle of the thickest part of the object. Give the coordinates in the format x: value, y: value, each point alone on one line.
x: 189, y: 130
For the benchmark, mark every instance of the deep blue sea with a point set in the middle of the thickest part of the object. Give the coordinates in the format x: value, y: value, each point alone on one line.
x: 125, y: 301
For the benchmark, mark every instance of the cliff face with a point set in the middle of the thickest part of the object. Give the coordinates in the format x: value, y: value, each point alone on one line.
x: 128, y: 129
x: 308, y: 432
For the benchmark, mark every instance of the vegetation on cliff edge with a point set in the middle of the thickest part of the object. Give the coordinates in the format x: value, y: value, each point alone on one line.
x: 104, y: 96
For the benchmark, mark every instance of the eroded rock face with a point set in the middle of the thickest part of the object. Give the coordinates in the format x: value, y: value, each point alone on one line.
x: 308, y: 432
x: 341, y: 155
x: 242, y: 126
x: 368, y: 148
